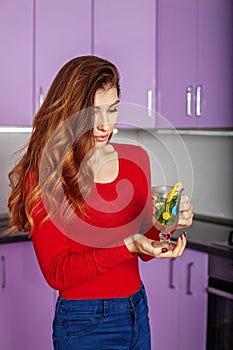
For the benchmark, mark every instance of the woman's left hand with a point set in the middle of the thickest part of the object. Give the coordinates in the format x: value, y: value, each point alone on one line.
x: 185, y: 213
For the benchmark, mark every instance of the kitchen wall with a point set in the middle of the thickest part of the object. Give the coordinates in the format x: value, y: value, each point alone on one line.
x: 203, y: 163
x: 9, y: 144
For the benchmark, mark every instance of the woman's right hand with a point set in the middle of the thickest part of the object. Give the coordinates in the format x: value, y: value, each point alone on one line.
x: 140, y: 244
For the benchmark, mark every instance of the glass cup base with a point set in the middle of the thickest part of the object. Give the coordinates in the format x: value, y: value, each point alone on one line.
x: 165, y: 237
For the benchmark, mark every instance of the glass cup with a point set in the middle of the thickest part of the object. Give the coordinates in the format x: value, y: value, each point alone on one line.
x: 166, y: 209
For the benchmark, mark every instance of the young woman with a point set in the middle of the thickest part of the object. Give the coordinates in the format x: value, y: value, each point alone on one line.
x: 86, y: 203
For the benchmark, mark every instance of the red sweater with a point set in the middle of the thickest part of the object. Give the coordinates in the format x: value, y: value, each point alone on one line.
x: 93, y: 261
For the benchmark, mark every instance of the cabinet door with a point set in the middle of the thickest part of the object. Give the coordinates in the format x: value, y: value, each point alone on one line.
x: 16, y: 39
x: 63, y: 31
x: 161, y: 279
x: 124, y: 33
x: 193, y: 301
x: 215, y: 63
x: 177, y: 297
x: 177, y: 64
x: 26, y: 301
x: 195, y: 63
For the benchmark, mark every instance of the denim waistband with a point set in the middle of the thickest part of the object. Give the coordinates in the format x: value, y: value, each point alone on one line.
x: 101, y: 305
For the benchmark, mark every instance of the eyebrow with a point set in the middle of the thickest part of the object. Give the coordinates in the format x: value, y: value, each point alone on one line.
x: 113, y: 104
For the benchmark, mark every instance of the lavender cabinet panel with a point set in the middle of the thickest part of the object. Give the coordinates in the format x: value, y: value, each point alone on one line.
x: 159, y: 277
x: 215, y: 57
x: 124, y: 33
x: 177, y: 65
x: 63, y: 31
x: 193, y: 301
x: 16, y: 39
x: 195, y: 63
x: 26, y: 301
x: 177, y: 299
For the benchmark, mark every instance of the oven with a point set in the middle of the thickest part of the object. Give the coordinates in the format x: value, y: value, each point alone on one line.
x: 220, y: 303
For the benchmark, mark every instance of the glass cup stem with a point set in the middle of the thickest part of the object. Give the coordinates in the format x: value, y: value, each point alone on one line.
x: 165, y: 236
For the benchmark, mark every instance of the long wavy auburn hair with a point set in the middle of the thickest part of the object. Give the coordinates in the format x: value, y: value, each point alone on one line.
x: 55, y: 163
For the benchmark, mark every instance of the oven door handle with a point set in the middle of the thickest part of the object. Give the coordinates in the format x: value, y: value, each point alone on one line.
x: 220, y: 293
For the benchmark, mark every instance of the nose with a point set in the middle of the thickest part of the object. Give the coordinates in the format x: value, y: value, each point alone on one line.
x: 101, y: 121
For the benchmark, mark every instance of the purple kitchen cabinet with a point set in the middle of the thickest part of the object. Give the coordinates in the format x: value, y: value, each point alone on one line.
x: 62, y: 32
x: 158, y: 275
x: 195, y: 63
x: 176, y: 62
x: 215, y: 68
x: 26, y: 301
x: 177, y: 297
x: 193, y: 300
x: 16, y: 71
x: 124, y: 33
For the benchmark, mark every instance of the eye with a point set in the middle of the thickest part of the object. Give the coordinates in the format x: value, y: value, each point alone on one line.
x: 113, y: 110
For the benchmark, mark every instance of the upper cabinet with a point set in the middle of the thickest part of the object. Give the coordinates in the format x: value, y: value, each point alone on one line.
x: 175, y: 57
x: 62, y: 32
x: 215, y: 63
x: 16, y: 64
x: 124, y: 33
x: 195, y: 63
x: 38, y: 37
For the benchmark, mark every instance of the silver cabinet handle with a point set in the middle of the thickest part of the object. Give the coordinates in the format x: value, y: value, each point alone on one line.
x: 149, y: 102
x: 189, y: 267
x: 171, y: 284
x: 3, y: 259
x: 41, y: 96
x: 189, y: 101
x: 198, y: 100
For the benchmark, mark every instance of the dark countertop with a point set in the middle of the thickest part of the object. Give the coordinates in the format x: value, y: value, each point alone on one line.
x: 209, y: 237
x: 206, y: 236
x: 12, y: 237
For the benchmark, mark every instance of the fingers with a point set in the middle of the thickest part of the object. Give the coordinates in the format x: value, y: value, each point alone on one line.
x: 140, y: 244
x: 185, y: 219
x: 156, y: 249
x: 180, y: 246
x: 170, y: 250
x: 161, y: 247
x: 185, y: 213
x: 184, y: 202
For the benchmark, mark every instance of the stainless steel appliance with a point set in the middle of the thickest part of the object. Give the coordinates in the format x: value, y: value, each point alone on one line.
x: 220, y: 303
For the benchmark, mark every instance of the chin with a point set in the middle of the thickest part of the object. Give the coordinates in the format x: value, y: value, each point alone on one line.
x: 101, y: 144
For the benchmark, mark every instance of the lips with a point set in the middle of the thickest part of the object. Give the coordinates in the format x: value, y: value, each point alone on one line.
x: 102, y: 138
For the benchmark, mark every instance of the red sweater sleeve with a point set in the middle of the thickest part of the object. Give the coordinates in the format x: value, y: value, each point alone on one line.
x: 147, y: 226
x: 63, y: 268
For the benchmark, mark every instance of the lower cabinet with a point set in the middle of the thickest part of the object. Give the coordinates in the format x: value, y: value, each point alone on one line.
x: 177, y: 296
x: 176, y: 289
x: 26, y: 301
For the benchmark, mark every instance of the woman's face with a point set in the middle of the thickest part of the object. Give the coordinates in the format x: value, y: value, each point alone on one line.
x: 106, y: 114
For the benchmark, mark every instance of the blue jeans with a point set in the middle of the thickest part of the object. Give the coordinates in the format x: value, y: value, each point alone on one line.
x: 102, y: 324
